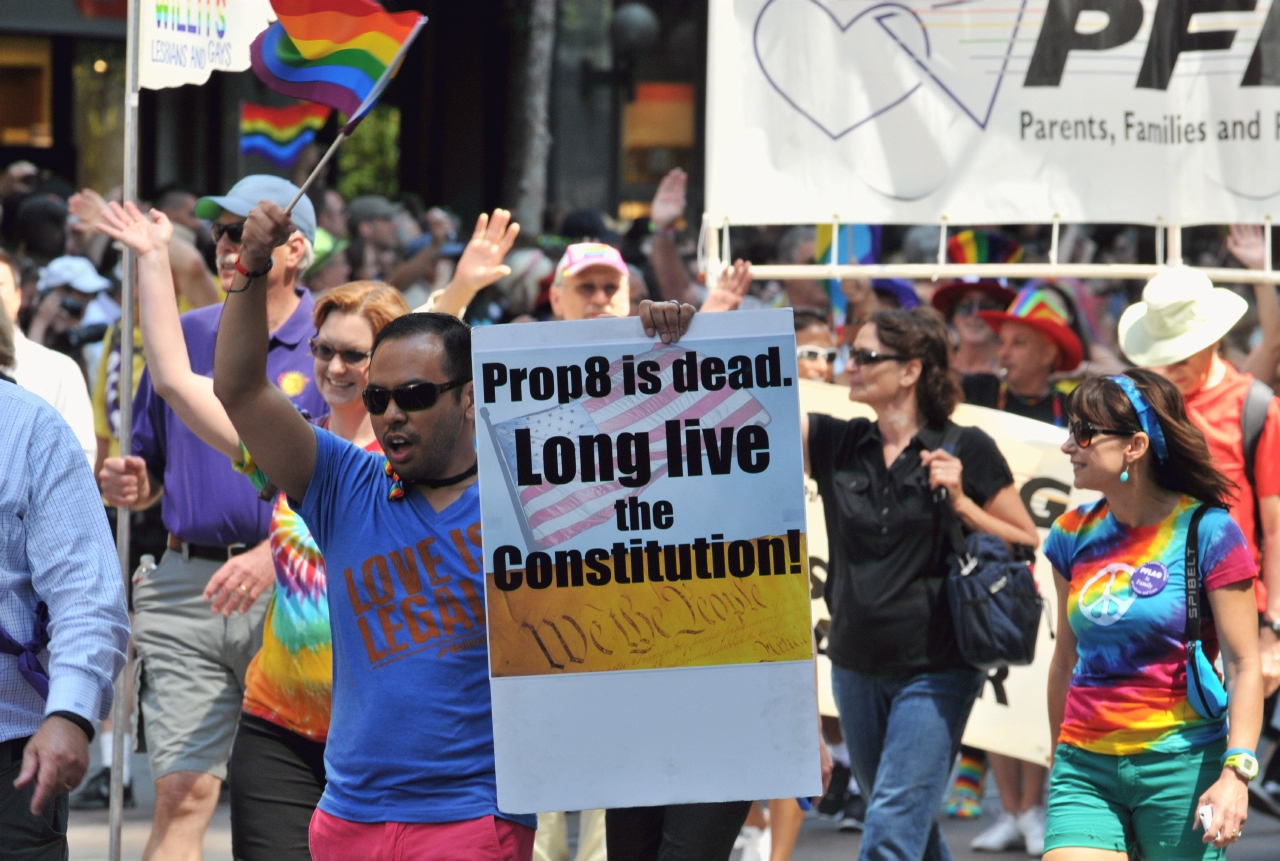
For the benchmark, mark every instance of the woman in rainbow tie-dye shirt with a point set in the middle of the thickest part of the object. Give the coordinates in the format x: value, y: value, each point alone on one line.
x: 1135, y: 760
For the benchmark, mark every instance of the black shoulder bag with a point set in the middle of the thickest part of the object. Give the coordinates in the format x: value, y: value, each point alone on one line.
x: 995, y: 605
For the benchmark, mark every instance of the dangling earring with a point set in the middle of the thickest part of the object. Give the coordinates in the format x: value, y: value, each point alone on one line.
x: 1124, y: 476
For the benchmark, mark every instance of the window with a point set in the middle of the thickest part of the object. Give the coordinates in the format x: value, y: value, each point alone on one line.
x: 26, y: 91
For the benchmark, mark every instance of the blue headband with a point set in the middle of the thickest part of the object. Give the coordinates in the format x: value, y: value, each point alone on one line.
x: 1146, y: 415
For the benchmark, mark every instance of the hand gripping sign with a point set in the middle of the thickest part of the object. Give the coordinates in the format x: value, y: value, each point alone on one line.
x: 646, y: 569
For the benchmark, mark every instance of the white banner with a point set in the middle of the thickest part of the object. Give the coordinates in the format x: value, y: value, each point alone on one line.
x: 993, y: 111
x: 1012, y: 714
x: 184, y: 41
x: 646, y: 574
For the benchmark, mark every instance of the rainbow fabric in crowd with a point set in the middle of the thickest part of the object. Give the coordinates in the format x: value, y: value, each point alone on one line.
x: 290, y: 680
x: 1127, y: 608
x: 341, y: 53
x: 280, y: 134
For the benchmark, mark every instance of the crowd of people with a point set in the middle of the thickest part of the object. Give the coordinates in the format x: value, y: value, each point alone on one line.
x: 302, y: 396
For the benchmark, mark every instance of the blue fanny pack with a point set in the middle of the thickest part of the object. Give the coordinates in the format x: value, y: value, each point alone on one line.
x: 1205, y: 690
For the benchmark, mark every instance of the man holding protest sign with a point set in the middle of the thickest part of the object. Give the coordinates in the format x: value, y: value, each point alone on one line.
x: 413, y: 609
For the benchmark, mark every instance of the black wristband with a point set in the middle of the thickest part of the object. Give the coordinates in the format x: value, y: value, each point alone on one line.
x: 85, y: 726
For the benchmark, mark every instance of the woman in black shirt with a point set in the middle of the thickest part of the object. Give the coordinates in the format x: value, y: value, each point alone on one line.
x: 903, y: 690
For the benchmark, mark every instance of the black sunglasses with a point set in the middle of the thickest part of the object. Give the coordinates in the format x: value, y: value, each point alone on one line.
x: 325, y: 353
x: 411, y: 398
x: 1084, y: 432
x: 871, y: 357
x: 233, y: 232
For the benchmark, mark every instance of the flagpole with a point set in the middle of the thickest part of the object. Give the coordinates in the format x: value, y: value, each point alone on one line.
x: 120, y: 708
x: 315, y: 172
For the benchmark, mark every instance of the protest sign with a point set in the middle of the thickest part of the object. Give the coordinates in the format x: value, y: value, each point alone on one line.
x: 184, y: 41
x: 992, y: 111
x: 645, y: 561
x: 1012, y: 714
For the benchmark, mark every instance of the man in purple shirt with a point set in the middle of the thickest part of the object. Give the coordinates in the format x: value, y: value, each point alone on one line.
x: 191, y: 661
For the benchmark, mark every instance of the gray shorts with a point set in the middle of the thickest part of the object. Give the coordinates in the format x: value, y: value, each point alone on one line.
x: 189, y: 673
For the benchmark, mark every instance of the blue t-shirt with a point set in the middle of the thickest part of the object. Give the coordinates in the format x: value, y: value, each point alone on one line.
x: 411, y: 733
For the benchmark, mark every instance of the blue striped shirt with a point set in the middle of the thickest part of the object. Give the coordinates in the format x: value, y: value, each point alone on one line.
x: 55, y: 547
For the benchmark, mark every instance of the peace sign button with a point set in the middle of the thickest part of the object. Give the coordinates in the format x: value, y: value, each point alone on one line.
x: 1150, y: 579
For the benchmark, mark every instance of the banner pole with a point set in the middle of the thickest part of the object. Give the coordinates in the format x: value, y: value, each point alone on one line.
x: 1175, y: 244
x: 712, y: 273
x: 1160, y: 259
x: 120, y: 706
x: 835, y: 244
x: 1266, y: 240
x: 942, y: 244
x: 1053, y: 242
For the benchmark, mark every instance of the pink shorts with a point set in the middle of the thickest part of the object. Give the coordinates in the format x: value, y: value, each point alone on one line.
x: 488, y: 838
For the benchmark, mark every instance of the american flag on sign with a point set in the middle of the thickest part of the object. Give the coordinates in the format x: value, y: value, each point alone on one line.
x: 554, y: 513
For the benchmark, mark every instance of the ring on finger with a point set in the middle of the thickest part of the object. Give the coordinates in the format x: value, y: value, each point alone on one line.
x: 244, y: 588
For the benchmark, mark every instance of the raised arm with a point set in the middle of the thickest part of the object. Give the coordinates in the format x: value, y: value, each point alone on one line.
x: 189, y: 394
x: 667, y: 208
x: 281, y: 441
x: 480, y: 265
x: 1246, y: 244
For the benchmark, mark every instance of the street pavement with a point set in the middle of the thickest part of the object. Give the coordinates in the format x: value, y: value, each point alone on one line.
x: 820, y: 840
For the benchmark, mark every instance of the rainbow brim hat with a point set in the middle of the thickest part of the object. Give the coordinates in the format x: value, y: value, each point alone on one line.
x: 1043, y: 311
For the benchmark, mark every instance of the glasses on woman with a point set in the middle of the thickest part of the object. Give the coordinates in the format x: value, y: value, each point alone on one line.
x: 1084, y: 432
x: 412, y: 397
x: 233, y: 232
x: 816, y: 354
x: 969, y: 307
x: 871, y: 357
x: 325, y: 353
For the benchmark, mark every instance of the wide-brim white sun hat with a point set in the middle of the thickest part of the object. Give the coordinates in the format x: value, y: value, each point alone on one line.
x: 1181, y: 313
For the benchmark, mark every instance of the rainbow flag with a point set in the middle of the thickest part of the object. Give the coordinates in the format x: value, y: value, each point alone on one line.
x: 279, y: 134
x: 341, y: 53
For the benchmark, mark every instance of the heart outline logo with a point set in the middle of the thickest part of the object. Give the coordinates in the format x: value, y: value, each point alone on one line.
x: 883, y: 14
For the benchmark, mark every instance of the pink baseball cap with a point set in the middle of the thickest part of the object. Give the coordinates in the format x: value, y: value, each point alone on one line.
x: 583, y: 255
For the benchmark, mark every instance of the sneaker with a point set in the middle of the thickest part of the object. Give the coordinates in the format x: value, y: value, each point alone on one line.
x: 1265, y: 797
x: 1031, y: 824
x: 837, y: 791
x: 1003, y: 836
x: 95, y: 794
x: 854, y: 815
x: 755, y: 843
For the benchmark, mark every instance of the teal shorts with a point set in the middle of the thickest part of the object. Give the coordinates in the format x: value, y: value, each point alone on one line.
x: 1144, y: 804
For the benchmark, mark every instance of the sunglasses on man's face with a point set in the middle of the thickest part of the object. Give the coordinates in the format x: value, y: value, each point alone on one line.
x: 325, y: 353
x: 587, y: 290
x: 1083, y: 432
x: 817, y: 354
x: 233, y: 232
x: 871, y: 357
x: 412, y: 397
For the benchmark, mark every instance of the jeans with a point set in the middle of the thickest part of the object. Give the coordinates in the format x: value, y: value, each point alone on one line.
x: 23, y: 836
x: 913, y: 725
x: 277, y: 778
x: 676, y: 832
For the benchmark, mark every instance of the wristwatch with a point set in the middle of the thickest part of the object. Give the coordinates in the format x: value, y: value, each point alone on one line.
x: 1243, y: 761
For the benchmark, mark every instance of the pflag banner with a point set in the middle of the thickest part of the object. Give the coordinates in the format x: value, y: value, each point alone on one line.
x: 1011, y: 715
x: 280, y: 134
x: 340, y: 53
x: 992, y: 111
x: 185, y: 41
x: 643, y: 520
